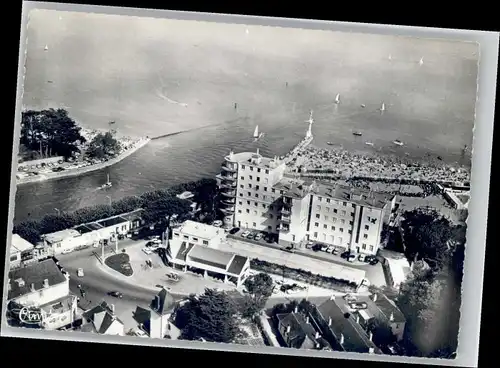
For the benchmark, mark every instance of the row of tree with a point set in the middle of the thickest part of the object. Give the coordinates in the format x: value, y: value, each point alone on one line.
x: 52, y: 132
x: 156, y: 207
x: 431, y: 296
x: 213, y: 316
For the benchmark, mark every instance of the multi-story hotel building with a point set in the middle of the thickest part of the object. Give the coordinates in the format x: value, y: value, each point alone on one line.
x: 256, y: 195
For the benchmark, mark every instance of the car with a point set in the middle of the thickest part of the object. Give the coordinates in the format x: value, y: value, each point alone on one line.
x: 115, y: 294
x: 79, y: 272
x: 258, y: 236
x: 234, y: 230
x: 330, y: 249
x: 316, y: 247
x: 172, y: 277
x: 324, y: 248
x: 245, y: 233
x: 310, y: 245
x: 351, y: 257
x: 251, y: 235
x: 361, y: 258
x: 350, y: 298
x: 140, y: 333
x: 129, y: 235
x: 157, y: 241
x: 148, y: 251
x: 336, y: 251
x: 345, y: 254
x: 358, y: 305
x: 289, y: 249
x: 217, y: 223
x: 373, y: 261
x: 66, y: 251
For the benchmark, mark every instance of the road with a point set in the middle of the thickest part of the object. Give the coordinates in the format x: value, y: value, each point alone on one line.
x: 97, y: 284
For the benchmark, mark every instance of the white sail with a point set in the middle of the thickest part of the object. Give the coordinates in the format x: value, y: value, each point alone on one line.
x: 421, y: 61
x: 46, y: 47
x: 382, y: 108
x: 256, y: 132
x: 390, y: 57
x: 337, y: 98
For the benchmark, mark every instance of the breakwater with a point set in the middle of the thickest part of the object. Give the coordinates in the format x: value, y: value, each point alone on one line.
x: 82, y: 170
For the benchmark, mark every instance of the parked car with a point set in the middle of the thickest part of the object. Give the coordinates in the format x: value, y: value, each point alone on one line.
x: 115, y: 294
x: 362, y: 257
x: 251, y: 235
x: 373, y: 261
x: 330, y: 249
x: 258, y: 236
x: 140, y: 333
x: 324, y: 248
x: 310, y: 245
x: 358, y: 305
x: 350, y: 298
x: 316, y: 247
x: 336, y: 251
x: 217, y: 223
x: 289, y: 249
x: 351, y: 257
x: 172, y: 277
x: 79, y: 272
x: 66, y: 251
x: 346, y: 254
x: 234, y: 230
x: 245, y: 233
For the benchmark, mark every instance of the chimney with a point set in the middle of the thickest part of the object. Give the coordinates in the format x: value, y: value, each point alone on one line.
x: 391, y: 317
x: 33, y: 287
x: 374, y: 297
x: 357, y: 318
x: 329, y: 321
x: 371, y: 350
x: 296, y: 310
x: 341, y: 339
x: 316, y: 336
x: 288, y: 329
x: 46, y: 283
x: 257, y: 150
x: 370, y: 335
x: 318, y: 345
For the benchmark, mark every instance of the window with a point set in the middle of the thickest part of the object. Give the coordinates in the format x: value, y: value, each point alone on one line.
x: 334, y: 219
x: 367, y: 227
x: 273, y: 190
x: 317, y: 215
x: 335, y: 210
x: 327, y: 209
x: 255, y: 213
x: 371, y: 248
x: 254, y: 224
x: 240, y: 203
x: 258, y: 178
x: 250, y: 177
x: 340, y: 240
x: 176, y: 234
x: 242, y: 186
x: 195, y: 239
x: 319, y: 199
x: 185, y: 237
x: 369, y: 218
x: 266, y: 180
x: 258, y: 169
x: 365, y: 236
x: 263, y: 205
x: 342, y: 221
x: 267, y: 171
x: 249, y: 194
x: 13, y: 258
x: 351, y: 223
x: 255, y: 204
x: 281, y: 192
x: 248, y: 202
x: 249, y: 185
x: 316, y: 224
x: 326, y: 218
x: 325, y: 226
x: 363, y: 246
x: 344, y: 204
x: 265, y: 189
x: 242, y: 177
x: 241, y: 194
x: 256, y: 187
x: 205, y: 242
x: 353, y: 205
x: 242, y: 167
x: 318, y: 208
x: 264, y: 198
x: 248, y: 211
x: 324, y: 236
x: 239, y: 211
x: 315, y: 235
x: 333, y: 228
x: 342, y: 213
x: 332, y: 239
x: 256, y: 195
x: 352, y: 214
x: 341, y: 229
x: 251, y: 168
x: 328, y: 200
x: 349, y: 231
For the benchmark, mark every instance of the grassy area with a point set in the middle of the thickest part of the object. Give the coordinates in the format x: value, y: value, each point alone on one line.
x: 121, y: 263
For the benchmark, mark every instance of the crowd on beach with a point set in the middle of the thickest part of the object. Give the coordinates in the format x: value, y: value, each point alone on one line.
x: 341, y: 163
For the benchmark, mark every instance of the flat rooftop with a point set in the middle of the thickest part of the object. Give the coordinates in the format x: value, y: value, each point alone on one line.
x: 83, y: 229
x: 362, y: 197
x: 60, y: 235
x: 199, y: 230
x: 294, y: 188
x: 18, y: 244
x: 112, y: 221
x: 254, y: 159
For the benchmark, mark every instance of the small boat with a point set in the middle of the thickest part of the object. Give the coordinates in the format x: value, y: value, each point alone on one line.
x: 398, y: 142
x: 363, y: 106
x: 358, y: 134
x: 421, y: 61
x: 440, y: 158
x: 46, y: 48
x: 390, y: 57
x: 337, y: 98
x: 49, y: 81
x: 382, y: 108
x: 369, y: 143
x: 107, y: 184
x: 329, y: 143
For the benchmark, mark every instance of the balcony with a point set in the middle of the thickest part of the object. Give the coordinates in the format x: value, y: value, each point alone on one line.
x: 228, y: 169
x: 227, y: 211
x: 226, y: 178
x: 284, y: 229
x: 285, y: 211
x: 229, y: 193
x: 228, y: 202
x: 285, y: 219
x: 228, y: 185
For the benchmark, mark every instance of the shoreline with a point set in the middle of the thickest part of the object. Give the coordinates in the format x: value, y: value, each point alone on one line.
x: 83, y: 170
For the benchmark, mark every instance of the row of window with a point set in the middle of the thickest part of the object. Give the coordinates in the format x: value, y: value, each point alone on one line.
x: 338, y: 240
x: 341, y: 229
x: 334, y: 219
x: 334, y: 210
x: 251, y: 168
x: 256, y: 195
x: 329, y: 200
x: 187, y: 237
x: 256, y: 204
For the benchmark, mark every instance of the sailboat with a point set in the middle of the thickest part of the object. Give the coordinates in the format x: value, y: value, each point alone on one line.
x: 337, y: 98
x: 256, y: 134
x: 421, y: 61
x: 107, y: 184
x: 369, y: 144
x: 390, y: 57
x: 46, y: 48
x: 382, y: 108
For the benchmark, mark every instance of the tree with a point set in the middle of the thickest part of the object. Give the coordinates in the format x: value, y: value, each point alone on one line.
x: 259, y: 288
x: 50, y: 133
x: 160, y: 209
x: 103, y: 145
x: 382, y: 333
x: 210, y: 316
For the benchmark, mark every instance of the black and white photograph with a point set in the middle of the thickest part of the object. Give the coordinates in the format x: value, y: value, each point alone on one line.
x: 231, y: 183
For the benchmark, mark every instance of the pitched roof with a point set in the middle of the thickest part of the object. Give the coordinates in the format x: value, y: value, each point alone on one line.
x: 355, y: 338
x: 211, y: 257
x: 237, y: 265
x: 163, y: 303
x: 360, y: 196
x: 18, y: 244
x: 22, y: 279
x: 301, y: 332
x: 102, y: 317
x: 384, y: 308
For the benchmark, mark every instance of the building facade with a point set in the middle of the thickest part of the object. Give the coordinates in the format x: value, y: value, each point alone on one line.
x: 256, y: 195
x: 21, y: 251
x: 45, y: 286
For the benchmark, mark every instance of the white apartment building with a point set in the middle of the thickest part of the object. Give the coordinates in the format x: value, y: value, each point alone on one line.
x: 249, y: 198
x: 198, y: 234
x: 256, y: 195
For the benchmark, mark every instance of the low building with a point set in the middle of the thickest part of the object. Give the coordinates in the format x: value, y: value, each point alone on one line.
x: 21, y: 251
x: 45, y: 286
x: 102, y: 320
x: 339, y: 327
x: 210, y: 262
x: 64, y: 241
x: 458, y: 199
x: 197, y: 233
x: 397, y: 271
x: 297, y: 331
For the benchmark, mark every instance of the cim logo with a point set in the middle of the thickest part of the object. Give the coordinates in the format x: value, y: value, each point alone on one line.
x: 31, y: 317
